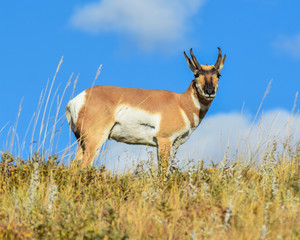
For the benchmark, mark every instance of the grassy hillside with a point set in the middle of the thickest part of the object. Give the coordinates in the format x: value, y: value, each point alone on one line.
x: 40, y: 199
x: 247, y: 197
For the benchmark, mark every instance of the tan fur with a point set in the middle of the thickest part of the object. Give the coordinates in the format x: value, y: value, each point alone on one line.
x: 207, y: 67
x: 177, y: 111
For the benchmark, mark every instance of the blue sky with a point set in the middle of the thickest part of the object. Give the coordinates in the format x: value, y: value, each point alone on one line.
x: 140, y: 44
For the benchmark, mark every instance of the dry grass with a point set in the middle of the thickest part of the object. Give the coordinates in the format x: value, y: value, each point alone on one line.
x: 40, y: 199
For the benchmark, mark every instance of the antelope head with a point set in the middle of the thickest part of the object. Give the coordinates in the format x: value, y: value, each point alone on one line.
x: 206, y: 76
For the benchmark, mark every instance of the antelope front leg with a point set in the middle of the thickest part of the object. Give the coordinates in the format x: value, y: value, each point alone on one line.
x: 163, y: 155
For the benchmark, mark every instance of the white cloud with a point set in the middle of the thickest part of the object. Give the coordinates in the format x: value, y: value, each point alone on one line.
x: 211, y: 139
x: 148, y: 23
x: 289, y: 44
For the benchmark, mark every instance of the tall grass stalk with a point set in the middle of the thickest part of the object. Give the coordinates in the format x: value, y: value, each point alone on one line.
x: 37, y: 115
x: 14, y: 130
x: 58, y: 111
x: 47, y: 101
x: 259, y: 108
x: 3, y: 127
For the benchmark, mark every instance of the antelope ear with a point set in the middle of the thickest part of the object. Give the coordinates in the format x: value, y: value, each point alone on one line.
x: 221, y: 63
x: 190, y: 63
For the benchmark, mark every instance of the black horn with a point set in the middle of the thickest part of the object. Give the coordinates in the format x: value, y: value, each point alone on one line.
x: 217, y: 65
x: 187, y: 58
x: 190, y: 62
x: 195, y: 60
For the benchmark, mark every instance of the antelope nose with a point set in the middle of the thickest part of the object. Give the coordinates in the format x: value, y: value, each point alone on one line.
x: 209, y: 91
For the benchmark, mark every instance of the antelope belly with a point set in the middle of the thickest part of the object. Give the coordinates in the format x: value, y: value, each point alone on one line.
x: 135, y: 126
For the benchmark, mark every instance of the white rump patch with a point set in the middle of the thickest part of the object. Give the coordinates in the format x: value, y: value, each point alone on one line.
x: 73, y: 109
x: 135, y: 126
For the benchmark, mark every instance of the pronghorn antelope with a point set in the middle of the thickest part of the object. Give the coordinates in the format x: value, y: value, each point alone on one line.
x: 142, y: 116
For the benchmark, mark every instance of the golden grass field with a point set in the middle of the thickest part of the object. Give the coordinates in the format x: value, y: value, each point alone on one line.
x: 241, y: 198
x: 40, y: 199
